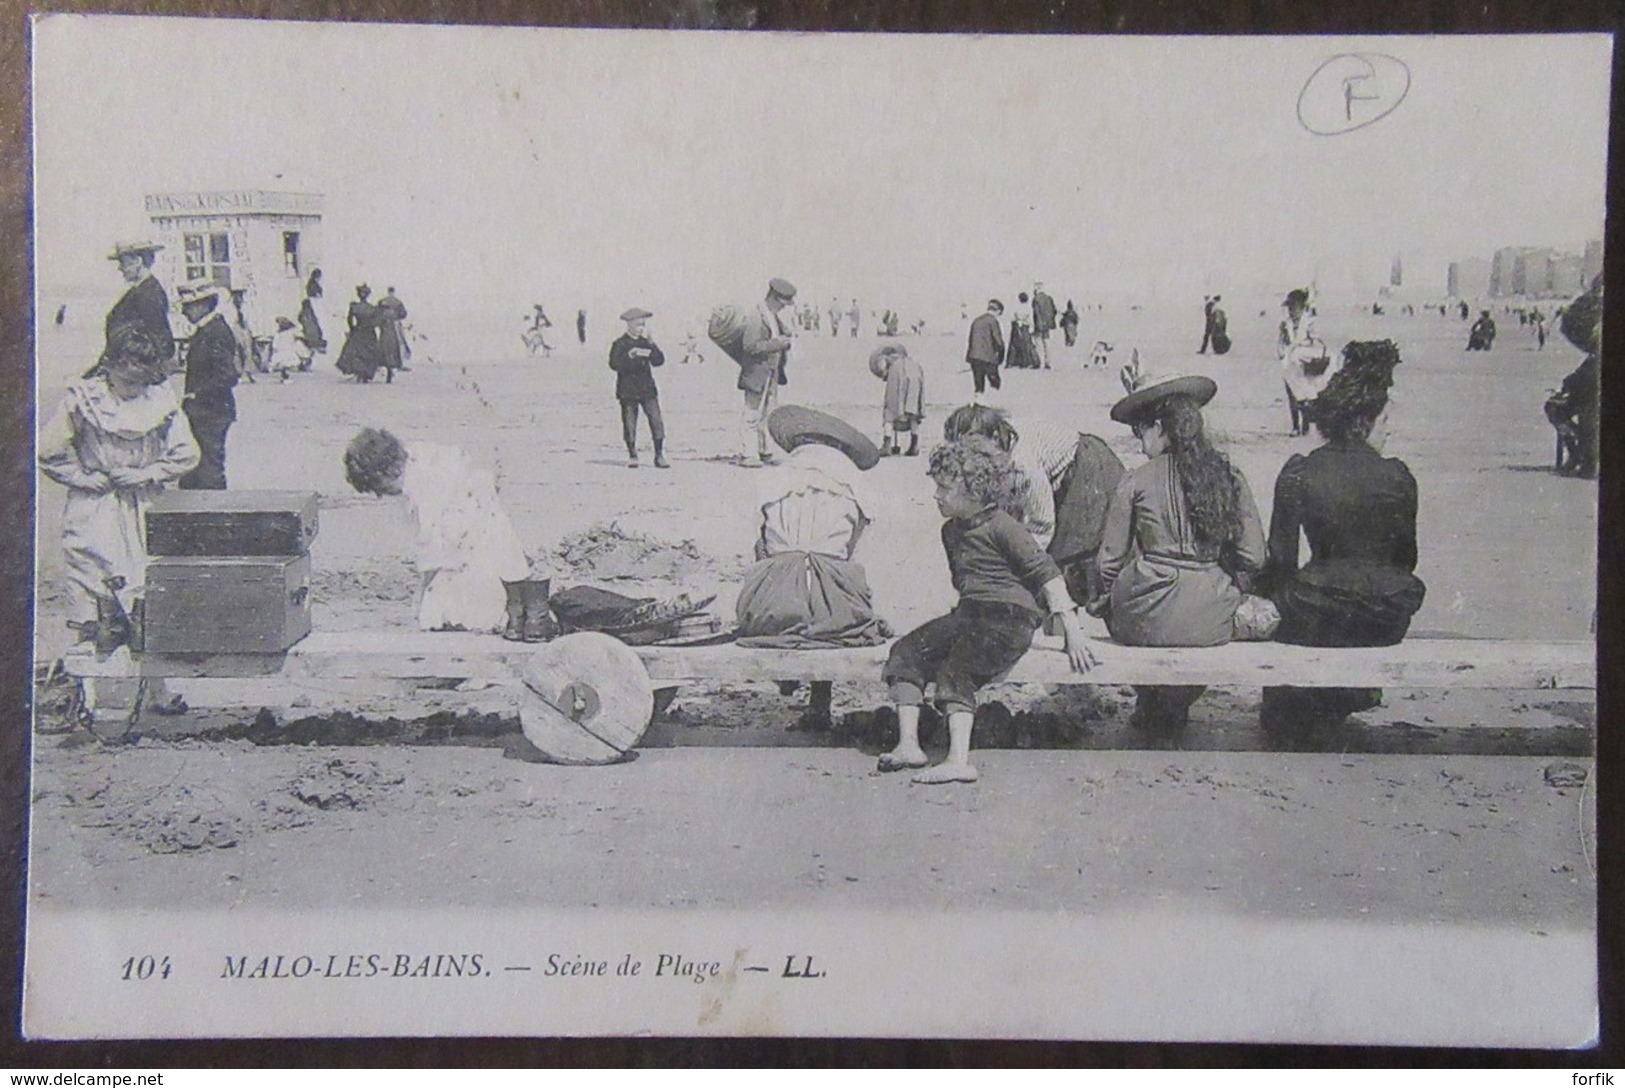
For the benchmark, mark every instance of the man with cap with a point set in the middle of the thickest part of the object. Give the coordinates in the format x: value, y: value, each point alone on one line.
x: 985, y: 351
x: 144, y: 304
x: 766, y: 346
x: 632, y: 357
x: 1043, y: 321
x: 211, y: 375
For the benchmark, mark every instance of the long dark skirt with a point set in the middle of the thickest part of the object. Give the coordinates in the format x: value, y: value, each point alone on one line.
x: 1345, y: 605
x: 803, y: 600
x: 361, y: 356
x: 310, y: 328
x: 1023, y: 353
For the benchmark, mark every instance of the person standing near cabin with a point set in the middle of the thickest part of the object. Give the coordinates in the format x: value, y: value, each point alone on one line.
x: 632, y: 357
x: 1208, y: 302
x: 854, y: 315
x: 243, y: 335
x: 985, y: 351
x: 766, y: 349
x: 144, y: 303
x: 393, y: 350
x: 361, y: 357
x: 211, y: 376
x: 581, y: 325
x: 310, y: 327
x: 834, y: 317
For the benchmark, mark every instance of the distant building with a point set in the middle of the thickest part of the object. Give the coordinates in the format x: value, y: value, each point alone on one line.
x: 261, y: 243
x: 1591, y: 267
x: 1542, y: 272
x: 1568, y: 275
x: 1469, y: 278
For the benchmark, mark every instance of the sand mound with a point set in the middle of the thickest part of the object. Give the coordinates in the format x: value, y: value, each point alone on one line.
x: 606, y: 551
x: 344, y: 784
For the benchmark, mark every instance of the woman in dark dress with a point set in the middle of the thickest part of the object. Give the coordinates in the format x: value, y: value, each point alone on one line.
x: 361, y: 355
x: 1023, y: 353
x: 1358, y: 511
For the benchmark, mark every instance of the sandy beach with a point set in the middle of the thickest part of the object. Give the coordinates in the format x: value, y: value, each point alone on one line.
x: 239, y: 803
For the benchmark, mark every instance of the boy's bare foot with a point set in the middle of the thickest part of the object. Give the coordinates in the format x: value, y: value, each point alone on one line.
x: 902, y: 759
x: 944, y: 773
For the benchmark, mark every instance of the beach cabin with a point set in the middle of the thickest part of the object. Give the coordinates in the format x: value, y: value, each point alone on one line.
x: 251, y: 240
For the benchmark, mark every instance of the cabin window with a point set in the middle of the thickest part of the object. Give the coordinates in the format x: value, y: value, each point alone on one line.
x: 290, y: 252
x: 208, y: 257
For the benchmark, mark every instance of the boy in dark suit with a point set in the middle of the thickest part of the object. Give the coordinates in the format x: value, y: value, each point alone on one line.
x: 632, y: 357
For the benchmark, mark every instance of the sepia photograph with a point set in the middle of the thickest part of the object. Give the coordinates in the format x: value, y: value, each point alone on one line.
x: 628, y: 532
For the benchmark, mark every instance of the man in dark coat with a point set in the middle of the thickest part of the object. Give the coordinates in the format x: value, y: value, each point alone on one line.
x: 632, y: 357
x: 1043, y: 321
x: 144, y: 304
x: 211, y: 375
x: 985, y: 351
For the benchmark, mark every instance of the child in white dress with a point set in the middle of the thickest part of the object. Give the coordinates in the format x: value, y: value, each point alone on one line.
x: 116, y: 440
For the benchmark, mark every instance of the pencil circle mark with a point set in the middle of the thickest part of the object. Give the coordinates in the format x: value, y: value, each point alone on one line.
x: 1352, y: 90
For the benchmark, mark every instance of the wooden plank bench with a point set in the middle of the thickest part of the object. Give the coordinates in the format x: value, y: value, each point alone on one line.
x: 1416, y: 663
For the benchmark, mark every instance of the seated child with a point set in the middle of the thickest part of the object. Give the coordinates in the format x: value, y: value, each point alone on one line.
x: 468, y: 555
x: 117, y: 439
x: 1000, y: 573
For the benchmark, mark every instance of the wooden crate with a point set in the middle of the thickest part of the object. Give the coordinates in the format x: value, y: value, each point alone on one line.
x: 221, y: 523
x: 225, y: 605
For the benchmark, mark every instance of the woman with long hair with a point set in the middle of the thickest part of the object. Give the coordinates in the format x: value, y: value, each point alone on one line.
x: 1182, y: 538
x: 1358, y: 511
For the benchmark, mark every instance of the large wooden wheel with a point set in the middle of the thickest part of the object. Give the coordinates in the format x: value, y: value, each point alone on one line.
x: 586, y: 699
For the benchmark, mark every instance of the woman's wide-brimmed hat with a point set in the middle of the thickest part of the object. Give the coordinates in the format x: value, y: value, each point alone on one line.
x: 1152, y: 390
x: 794, y: 425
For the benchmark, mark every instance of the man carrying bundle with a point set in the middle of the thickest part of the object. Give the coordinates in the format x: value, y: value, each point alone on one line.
x: 762, y: 357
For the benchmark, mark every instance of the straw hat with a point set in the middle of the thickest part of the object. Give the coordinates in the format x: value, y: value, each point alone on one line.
x: 198, y: 291
x: 144, y: 248
x: 1149, y: 388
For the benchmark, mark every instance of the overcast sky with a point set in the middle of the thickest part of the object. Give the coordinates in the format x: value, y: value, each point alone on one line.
x: 486, y: 168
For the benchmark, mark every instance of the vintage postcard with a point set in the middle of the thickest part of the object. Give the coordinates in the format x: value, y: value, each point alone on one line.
x: 571, y: 532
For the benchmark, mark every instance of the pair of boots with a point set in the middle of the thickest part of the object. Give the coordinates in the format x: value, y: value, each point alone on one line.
x: 530, y: 617
x: 894, y: 449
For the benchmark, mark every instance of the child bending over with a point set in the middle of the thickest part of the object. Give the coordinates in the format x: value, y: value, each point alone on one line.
x: 1000, y: 573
